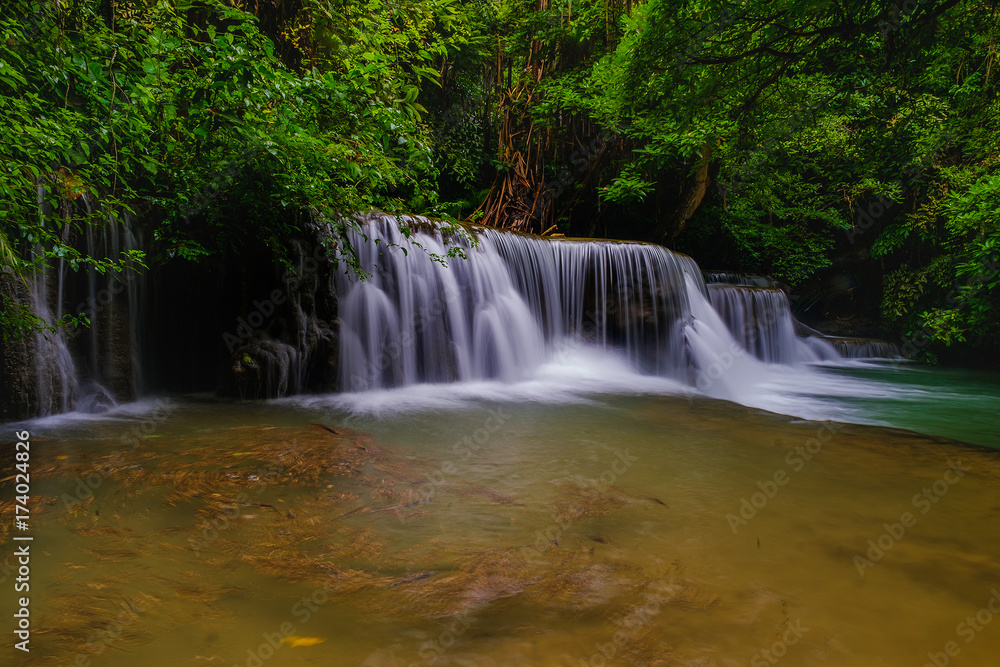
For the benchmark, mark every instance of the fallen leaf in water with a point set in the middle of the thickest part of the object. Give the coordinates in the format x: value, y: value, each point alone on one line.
x: 295, y: 640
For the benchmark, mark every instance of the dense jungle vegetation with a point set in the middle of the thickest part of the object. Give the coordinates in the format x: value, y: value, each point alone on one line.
x: 850, y: 149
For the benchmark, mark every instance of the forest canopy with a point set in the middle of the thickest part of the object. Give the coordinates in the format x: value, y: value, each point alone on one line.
x: 808, y: 141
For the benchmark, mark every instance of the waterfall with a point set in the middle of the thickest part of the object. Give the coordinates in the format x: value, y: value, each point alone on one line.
x: 760, y: 319
x: 55, y: 371
x: 758, y: 315
x: 731, y: 278
x: 516, y: 300
x: 510, y: 307
x: 112, y: 300
x: 865, y: 348
x: 87, y: 368
x: 505, y: 309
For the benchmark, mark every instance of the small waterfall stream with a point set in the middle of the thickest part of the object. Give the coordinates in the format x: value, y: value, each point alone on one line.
x: 865, y: 348
x: 88, y: 368
x: 760, y: 319
x: 55, y: 370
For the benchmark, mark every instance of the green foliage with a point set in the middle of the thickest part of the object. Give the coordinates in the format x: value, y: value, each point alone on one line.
x: 17, y: 320
x: 223, y: 124
x: 818, y: 116
x: 628, y: 186
x: 183, y: 113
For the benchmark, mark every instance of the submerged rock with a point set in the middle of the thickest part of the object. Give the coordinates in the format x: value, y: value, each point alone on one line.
x: 266, y: 369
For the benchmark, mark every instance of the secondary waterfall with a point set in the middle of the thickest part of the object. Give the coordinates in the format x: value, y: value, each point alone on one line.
x: 88, y: 368
x: 865, y: 348
x: 517, y: 300
x: 730, y: 278
x: 760, y: 319
x: 55, y: 370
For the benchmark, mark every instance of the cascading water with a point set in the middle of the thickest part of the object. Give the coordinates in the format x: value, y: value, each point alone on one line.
x: 55, y: 371
x: 760, y: 319
x: 731, y: 278
x: 112, y: 301
x: 516, y: 306
x: 505, y: 309
x: 517, y: 300
x: 865, y: 348
x: 759, y: 316
x: 86, y: 368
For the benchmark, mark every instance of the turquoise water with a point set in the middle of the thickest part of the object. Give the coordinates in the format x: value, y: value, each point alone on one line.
x: 961, y: 404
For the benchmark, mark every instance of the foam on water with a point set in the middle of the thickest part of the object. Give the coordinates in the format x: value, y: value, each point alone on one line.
x: 124, y: 412
x: 561, y: 321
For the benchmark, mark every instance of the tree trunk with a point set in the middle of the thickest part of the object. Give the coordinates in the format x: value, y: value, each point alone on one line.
x: 692, y: 193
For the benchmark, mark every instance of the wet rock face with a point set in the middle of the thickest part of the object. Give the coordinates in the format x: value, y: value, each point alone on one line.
x: 322, y: 353
x: 115, y: 357
x: 18, y: 378
x: 314, y: 318
x: 296, y: 348
x: 93, y: 398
